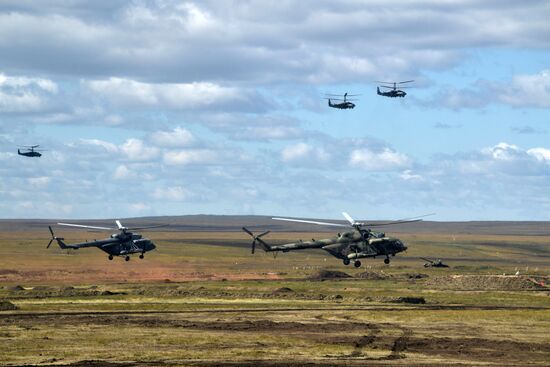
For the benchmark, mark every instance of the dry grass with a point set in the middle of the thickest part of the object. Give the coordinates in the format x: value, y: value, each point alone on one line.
x: 221, y: 304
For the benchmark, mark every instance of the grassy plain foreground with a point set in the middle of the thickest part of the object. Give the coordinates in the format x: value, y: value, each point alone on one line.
x: 203, y: 300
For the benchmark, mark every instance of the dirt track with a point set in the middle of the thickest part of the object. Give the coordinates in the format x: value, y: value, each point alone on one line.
x: 394, y: 340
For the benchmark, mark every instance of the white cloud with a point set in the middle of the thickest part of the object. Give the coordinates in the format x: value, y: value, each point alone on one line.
x: 105, y: 145
x: 176, y: 193
x: 295, y: 151
x: 384, y: 160
x: 137, y: 150
x: 172, y: 95
x: 177, y: 138
x: 302, y: 152
x: 123, y: 173
x: 190, y: 156
x: 409, y: 175
x: 271, y: 41
x: 531, y: 90
x: 23, y: 94
x: 17, y: 82
x: 541, y: 154
x: 134, y: 171
x: 527, y: 90
x: 502, y: 151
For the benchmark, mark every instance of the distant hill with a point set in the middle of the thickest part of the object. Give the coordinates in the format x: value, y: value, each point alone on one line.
x: 231, y: 223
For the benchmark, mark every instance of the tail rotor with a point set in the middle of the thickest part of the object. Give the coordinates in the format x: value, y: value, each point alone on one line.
x: 53, y: 237
x: 256, y: 239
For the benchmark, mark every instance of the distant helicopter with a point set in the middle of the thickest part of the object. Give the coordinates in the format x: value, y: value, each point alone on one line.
x: 434, y: 263
x: 348, y: 246
x: 345, y: 104
x: 393, y: 92
x: 124, y: 243
x: 31, y: 151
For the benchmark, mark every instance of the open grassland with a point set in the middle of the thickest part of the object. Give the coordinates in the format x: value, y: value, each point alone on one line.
x: 202, y: 299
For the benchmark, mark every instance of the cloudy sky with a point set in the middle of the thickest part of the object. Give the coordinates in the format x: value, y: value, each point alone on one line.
x: 216, y: 107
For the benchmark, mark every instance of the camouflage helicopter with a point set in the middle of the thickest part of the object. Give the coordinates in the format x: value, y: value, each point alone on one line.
x: 342, y: 104
x: 361, y: 242
x: 124, y: 243
x: 31, y: 151
x: 393, y: 92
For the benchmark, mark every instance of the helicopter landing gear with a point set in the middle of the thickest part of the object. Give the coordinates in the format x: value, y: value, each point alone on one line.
x: 357, y: 263
x: 346, y: 261
x: 387, y: 260
x: 141, y: 256
x: 127, y: 258
x: 110, y: 257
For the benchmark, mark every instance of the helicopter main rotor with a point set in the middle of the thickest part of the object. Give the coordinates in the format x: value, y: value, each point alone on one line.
x: 353, y: 223
x: 120, y: 227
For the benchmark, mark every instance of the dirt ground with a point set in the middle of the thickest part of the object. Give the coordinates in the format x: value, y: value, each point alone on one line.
x: 197, y: 304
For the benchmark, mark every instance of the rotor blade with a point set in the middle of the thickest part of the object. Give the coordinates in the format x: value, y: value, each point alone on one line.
x: 118, y: 224
x: 155, y: 226
x: 399, y: 221
x: 311, y: 222
x: 247, y: 231
x: 415, y: 217
x: 391, y: 223
x: 83, y: 226
x: 384, y: 82
x: 51, y: 231
x: 425, y: 259
x: 49, y: 243
x: 349, y: 218
x: 407, y: 81
x: 353, y: 95
x: 262, y: 234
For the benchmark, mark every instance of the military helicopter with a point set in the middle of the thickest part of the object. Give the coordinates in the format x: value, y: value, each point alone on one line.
x: 434, y: 263
x: 345, y: 104
x: 393, y: 92
x: 124, y: 243
x: 349, y: 246
x: 31, y: 151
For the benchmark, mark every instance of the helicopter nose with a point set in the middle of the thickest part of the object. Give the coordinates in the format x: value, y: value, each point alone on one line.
x: 403, y: 247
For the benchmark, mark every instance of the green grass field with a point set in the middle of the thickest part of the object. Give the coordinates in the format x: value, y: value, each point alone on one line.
x: 203, y: 300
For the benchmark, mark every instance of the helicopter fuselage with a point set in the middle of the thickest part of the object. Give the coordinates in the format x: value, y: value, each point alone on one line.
x: 31, y: 153
x: 392, y: 93
x: 342, y: 106
x: 350, y: 245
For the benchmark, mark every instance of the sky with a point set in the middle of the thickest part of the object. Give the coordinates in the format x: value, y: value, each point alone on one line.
x: 147, y: 108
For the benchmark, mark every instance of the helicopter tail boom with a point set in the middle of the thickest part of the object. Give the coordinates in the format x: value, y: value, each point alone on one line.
x: 59, y: 241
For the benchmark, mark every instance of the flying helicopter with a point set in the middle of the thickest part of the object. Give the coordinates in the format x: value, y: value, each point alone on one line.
x: 361, y: 242
x: 344, y: 104
x: 124, y: 243
x: 393, y: 92
x: 31, y: 151
x: 434, y: 263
